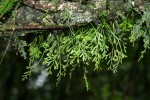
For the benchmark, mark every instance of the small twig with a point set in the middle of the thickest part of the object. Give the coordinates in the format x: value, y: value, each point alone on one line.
x: 39, y: 27
x: 6, y: 49
x: 1, y: 60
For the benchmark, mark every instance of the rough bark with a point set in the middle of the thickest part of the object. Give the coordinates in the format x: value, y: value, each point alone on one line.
x: 43, y: 15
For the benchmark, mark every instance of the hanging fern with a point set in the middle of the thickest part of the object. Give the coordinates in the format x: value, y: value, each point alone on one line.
x: 87, y: 47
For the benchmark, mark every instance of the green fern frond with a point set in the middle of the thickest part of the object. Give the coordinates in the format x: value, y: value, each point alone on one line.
x: 6, y: 6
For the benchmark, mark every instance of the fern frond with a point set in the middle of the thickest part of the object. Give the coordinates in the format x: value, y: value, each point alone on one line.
x: 6, y: 6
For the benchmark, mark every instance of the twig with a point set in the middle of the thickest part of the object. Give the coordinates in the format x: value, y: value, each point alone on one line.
x: 39, y: 27
x: 6, y: 49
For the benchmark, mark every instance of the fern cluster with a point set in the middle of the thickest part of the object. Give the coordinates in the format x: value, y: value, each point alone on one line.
x: 142, y: 29
x: 85, y: 47
x: 90, y: 46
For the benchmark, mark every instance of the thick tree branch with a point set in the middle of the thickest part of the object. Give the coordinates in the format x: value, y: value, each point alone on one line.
x: 45, y: 15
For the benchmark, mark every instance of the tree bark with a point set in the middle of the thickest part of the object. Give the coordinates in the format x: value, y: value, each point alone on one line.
x: 45, y: 15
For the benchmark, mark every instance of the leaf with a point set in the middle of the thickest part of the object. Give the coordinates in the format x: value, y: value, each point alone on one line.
x: 6, y: 6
